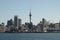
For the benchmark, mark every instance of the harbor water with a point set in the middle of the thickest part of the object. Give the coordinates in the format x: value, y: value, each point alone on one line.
x: 29, y: 36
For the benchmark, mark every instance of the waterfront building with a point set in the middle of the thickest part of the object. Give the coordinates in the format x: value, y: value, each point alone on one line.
x: 57, y: 26
x: 23, y: 28
x: 34, y: 28
x: 9, y: 22
x: 19, y: 25
x: 15, y: 21
x: 10, y: 25
x: 51, y: 27
x: 27, y: 26
x: 44, y: 25
x: 2, y: 27
x: 39, y: 27
x: 19, y: 22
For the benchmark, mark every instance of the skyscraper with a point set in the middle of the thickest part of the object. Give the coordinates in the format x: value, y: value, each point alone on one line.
x: 19, y: 22
x: 43, y: 24
x: 15, y: 21
x: 9, y: 22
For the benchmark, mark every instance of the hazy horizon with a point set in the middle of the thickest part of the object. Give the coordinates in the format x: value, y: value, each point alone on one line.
x: 48, y: 9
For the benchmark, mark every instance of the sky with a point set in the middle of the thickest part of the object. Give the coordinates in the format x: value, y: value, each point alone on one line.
x: 48, y: 9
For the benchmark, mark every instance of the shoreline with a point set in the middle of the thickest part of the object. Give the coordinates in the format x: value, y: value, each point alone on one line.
x: 29, y: 32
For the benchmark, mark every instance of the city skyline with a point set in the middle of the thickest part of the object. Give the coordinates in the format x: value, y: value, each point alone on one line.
x: 48, y: 9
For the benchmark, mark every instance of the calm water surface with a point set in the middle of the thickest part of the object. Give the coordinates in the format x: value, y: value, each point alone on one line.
x: 29, y: 36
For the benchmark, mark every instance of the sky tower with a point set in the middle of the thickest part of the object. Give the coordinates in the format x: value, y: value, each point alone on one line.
x: 30, y: 25
x: 30, y: 16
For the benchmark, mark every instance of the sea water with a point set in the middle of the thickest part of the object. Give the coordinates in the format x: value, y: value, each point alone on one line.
x: 29, y: 36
